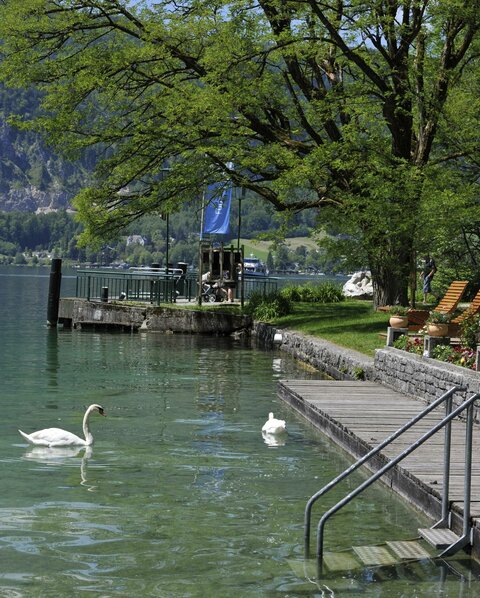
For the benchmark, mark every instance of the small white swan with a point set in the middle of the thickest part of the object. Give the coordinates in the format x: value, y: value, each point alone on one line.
x: 274, y: 426
x: 53, y: 437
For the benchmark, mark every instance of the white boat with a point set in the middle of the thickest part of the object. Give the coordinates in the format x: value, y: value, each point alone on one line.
x: 254, y: 266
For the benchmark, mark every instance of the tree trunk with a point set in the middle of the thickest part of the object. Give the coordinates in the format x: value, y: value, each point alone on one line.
x: 390, y: 275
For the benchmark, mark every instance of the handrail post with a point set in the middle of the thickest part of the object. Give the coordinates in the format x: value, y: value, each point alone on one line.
x: 378, y: 474
x: 468, y: 471
x: 467, y: 482
x: 308, y: 508
x: 446, y: 468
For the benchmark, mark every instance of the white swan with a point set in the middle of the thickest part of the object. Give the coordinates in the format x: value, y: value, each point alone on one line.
x: 53, y: 437
x: 274, y: 426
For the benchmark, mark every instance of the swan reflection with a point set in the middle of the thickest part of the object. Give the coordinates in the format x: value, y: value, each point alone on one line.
x: 274, y: 439
x: 45, y: 454
x: 61, y: 456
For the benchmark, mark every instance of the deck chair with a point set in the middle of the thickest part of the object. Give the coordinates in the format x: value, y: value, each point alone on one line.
x: 448, y: 304
x: 473, y: 309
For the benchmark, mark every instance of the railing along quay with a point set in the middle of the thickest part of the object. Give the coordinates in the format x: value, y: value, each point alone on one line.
x: 155, y: 285
x: 152, y: 286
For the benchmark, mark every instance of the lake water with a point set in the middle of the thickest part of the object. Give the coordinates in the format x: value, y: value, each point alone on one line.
x: 180, y: 496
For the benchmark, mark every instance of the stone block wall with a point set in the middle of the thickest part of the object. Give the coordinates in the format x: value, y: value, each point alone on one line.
x: 81, y: 313
x: 337, y: 362
x: 413, y: 375
x: 422, y: 377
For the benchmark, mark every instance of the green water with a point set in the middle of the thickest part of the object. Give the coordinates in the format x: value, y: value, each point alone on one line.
x: 180, y: 495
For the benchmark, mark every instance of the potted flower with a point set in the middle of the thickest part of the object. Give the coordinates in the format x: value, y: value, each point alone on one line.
x: 398, y: 316
x: 437, y: 323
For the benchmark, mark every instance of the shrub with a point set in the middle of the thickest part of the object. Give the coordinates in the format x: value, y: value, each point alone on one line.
x: 438, y: 317
x: 398, y: 310
x: 470, y: 328
x: 325, y: 292
x: 328, y: 292
x: 268, y: 307
x: 407, y: 344
x: 359, y: 373
x: 461, y: 356
x: 292, y: 293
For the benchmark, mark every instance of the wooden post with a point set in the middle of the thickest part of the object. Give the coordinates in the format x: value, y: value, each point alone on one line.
x: 54, y: 292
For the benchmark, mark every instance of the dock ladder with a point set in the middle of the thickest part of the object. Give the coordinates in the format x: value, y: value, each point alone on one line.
x: 440, y: 534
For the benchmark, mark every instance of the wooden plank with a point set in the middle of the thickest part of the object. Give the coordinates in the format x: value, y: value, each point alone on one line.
x: 409, y: 549
x: 370, y: 412
x: 340, y: 561
x: 374, y: 555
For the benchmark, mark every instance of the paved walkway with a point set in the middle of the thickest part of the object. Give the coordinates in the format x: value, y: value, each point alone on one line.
x: 360, y: 415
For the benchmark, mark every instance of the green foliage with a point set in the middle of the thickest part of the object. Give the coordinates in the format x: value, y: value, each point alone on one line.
x: 358, y: 373
x: 339, y: 107
x: 438, y: 317
x: 19, y: 231
x: 292, y: 293
x: 461, y: 356
x: 266, y: 308
x: 325, y: 292
x: 405, y: 343
x: 398, y: 310
x: 19, y: 259
x: 470, y: 330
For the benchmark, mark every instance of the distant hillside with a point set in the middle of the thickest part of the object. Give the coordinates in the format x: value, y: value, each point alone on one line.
x: 32, y: 177
x: 260, y: 249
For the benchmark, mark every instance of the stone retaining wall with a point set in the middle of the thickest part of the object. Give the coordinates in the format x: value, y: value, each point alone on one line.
x: 81, y: 313
x: 338, y: 362
x: 413, y: 375
x: 422, y: 377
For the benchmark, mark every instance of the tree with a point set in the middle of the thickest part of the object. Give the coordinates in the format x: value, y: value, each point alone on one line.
x: 282, y: 257
x: 336, y: 107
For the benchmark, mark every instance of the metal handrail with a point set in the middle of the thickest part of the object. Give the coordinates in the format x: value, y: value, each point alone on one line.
x: 312, y: 500
x: 468, y: 445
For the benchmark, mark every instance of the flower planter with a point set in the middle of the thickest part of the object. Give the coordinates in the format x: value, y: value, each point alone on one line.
x: 398, y: 321
x: 437, y: 329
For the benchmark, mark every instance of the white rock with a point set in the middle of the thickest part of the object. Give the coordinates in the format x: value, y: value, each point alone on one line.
x: 359, y: 286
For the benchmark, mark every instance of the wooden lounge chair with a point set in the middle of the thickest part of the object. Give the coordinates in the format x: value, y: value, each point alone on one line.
x: 473, y: 309
x: 448, y: 304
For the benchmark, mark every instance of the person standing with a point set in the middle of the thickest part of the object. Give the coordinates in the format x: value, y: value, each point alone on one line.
x: 428, y: 273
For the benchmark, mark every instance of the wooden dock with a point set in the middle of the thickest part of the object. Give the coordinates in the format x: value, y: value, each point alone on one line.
x: 360, y: 415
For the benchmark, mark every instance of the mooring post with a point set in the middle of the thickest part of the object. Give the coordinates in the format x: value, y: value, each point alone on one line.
x: 54, y: 292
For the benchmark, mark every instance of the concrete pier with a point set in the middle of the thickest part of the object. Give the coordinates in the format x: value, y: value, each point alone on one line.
x: 81, y: 313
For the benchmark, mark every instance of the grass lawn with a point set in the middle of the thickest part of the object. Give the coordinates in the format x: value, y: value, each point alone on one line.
x: 352, y: 324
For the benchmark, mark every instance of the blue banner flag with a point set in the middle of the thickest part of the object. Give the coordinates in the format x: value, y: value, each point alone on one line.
x: 217, y: 211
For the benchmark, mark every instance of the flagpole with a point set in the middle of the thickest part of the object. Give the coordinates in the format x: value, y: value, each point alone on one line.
x: 240, y: 198
x: 202, y: 215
